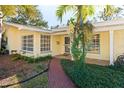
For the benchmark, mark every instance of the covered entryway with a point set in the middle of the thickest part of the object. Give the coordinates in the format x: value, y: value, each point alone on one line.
x: 88, y: 60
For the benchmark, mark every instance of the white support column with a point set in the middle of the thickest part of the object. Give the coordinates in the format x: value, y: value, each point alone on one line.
x: 111, y: 35
x: 0, y: 27
x: 36, y: 47
x: 0, y: 39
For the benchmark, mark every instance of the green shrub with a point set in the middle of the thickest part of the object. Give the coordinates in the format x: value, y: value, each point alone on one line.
x: 118, y: 64
x: 117, y: 68
x: 16, y: 57
x: 119, y: 61
x: 93, y: 76
x: 31, y: 59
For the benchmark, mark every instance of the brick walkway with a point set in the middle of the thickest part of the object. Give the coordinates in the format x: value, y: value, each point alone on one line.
x: 57, y: 77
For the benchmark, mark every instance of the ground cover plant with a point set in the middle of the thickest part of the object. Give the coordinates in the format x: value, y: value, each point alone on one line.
x: 93, y: 76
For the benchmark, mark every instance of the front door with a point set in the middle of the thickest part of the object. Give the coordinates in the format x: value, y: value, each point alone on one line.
x: 67, y: 45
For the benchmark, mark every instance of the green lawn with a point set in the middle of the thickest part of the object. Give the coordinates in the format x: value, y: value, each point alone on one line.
x: 94, y: 76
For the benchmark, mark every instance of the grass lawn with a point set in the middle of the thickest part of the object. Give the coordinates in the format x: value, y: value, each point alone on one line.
x: 94, y: 76
x: 18, y: 70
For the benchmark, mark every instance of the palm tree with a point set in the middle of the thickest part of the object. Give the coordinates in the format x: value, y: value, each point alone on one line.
x: 81, y: 27
x: 13, y: 10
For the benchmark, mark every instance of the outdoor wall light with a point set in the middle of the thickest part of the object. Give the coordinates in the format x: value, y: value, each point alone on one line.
x: 57, y: 42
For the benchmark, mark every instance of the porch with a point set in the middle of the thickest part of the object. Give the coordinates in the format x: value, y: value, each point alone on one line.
x: 88, y: 60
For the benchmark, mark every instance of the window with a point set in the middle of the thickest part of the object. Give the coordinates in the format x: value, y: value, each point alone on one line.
x: 27, y: 43
x: 45, y: 43
x: 67, y: 44
x: 67, y: 40
x: 95, y: 44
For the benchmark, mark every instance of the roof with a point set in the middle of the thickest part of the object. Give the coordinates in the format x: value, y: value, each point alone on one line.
x: 117, y: 24
x: 110, y: 23
x: 25, y: 27
x: 33, y: 28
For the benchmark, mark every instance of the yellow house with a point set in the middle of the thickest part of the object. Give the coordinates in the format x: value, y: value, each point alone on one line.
x: 108, y: 40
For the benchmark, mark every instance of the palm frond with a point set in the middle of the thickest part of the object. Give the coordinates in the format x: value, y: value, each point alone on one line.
x: 109, y: 10
x: 29, y: 10
x: 9, y: 10
x: 61, y: 10
x: 87, y: 10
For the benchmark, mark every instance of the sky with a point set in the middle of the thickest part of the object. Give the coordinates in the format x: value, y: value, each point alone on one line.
x: 49, y: 14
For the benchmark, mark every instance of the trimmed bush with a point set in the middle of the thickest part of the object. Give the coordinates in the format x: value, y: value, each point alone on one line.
x: 119, y: 61
x: 93, y: 76
x: 31, y: 59
x: 118, y: 64
x: 117, y: 68
x: 16, y: 57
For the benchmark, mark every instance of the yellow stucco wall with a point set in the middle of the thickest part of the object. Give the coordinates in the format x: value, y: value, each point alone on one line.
x: 57, y: 43
x: 14, y: 36
x: 118, y: 43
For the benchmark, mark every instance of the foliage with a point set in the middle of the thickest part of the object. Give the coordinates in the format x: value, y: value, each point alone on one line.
x: 31, y: 59
x: 117, y: 68
x: 13, y: 10
x: 3, y: 49
x: 82, y: 11
x: 119, y: 61
x: 23, y: 18
x: 93, y: 76
x: 114, y: 12
x: 81, y: 42
x: 118, y: 64
x: 23, y: 14
x: 80, y: 27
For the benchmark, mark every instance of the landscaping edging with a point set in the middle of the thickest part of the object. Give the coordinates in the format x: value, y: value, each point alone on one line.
x: 4, y: 86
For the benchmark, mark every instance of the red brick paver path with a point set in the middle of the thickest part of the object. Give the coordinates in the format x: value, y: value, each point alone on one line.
x: 57, y: 77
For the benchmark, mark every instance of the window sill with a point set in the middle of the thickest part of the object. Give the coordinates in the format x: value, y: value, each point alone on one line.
x: 24, y: 52
x: 46, y: 52
x: 93, y: 52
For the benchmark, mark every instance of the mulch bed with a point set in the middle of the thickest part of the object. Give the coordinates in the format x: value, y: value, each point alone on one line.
x: 13, y: 71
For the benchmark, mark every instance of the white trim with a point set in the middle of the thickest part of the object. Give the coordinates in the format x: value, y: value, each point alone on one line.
x: 47, y: 43
x: 117, y: 24
x: 107, y: 28
x: 0, y: 39
x: 111, y: 35
x: 113, y: 22
x: 51, y: 44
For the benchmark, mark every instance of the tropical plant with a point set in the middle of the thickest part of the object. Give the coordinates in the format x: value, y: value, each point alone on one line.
x: 13, y: 10
x: 23, y: 18
x: 115, y: 12
x: 81, y: 43
x: 80, y: 27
